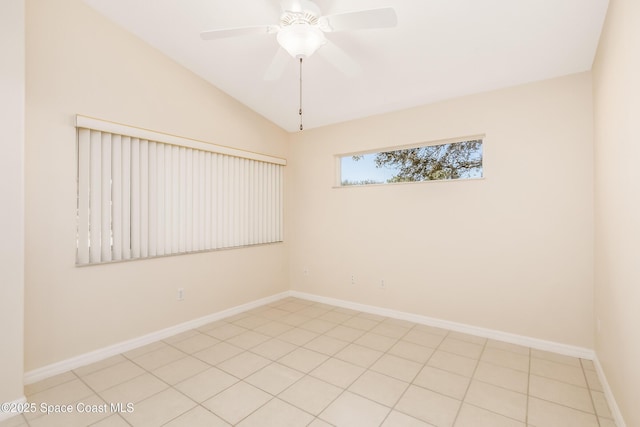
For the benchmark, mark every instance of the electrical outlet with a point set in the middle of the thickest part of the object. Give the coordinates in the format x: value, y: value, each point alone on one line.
x: 382, y: 284
x: 305, y: 271
x: 353, y: 279
x: 180, y: 294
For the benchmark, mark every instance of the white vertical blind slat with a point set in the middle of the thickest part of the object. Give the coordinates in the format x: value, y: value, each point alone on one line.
x: 105, y: 229
x: 144, y: 198
x: 95, y: 198
x: 126, y: 197
x: 153, y: 200
x: 188, y: 208
x: 84, y: 180
x: 116, y: 196
x: 135, y: 198
x: 160, y: 202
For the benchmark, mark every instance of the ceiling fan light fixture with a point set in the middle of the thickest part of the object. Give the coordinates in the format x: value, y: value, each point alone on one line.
x: 301, y: 40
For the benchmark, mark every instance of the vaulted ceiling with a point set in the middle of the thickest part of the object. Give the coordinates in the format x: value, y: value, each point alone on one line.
x: 440, y: 49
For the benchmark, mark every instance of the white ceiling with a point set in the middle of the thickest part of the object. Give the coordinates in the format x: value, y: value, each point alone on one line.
x: 440, y: 49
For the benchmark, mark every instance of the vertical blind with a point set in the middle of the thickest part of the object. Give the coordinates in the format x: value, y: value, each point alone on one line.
x: 145, y: 194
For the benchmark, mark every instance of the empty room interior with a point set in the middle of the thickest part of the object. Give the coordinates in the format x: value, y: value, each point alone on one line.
x: 230, y: 275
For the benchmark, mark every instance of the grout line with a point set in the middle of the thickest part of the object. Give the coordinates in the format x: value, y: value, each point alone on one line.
x: 484, y: 347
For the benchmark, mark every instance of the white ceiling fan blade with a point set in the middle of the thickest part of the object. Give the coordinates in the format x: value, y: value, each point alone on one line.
x: 277, y: 65
x: 361, y: 20
x: 339, y: 59
x: 240, y: 31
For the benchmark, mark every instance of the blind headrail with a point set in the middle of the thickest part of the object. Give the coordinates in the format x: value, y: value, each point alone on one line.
x: 85, y: 122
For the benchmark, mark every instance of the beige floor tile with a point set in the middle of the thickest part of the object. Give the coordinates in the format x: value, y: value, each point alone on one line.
x: 424, y: 338
x: 297, y: 336
x: 593, y: 381
x: 398, y: 419
x: 311, y: 394
x: 601, y: 405
x: 158, y: 358
x: 376, y: 341
x: 137, y: 352
x: 197, y: 417
x: 548, y: 414
x: 273, y: 313
x: 112, y: 421
x: 274, y: 378
x: 379, y: 388
x: 335, y: 317
x: 505, y: 358
x: 180, y: 370
x: 273, y: 329
x: 65, y: 393
x: 371, y: 316
x: 218, y: 353
x: 338, y: 372
x: 397, y: 367
x: 358, y: 355
x: 314, y: 311
x: 277, y: 413
x: 429, y: 406
x: 273, y: 349
x: 318, y: 326
x: 558, y: 371
x: 326, y: 345
x: 588, y: 365
x: 514, y: 348
x: 250, y: 322
x: 294, y: 319
x: 350, y: 410
x: 94, y: 367
x: 345, y: 333
x: 411, y: 351
x: 453, y: 363
x: 303, y: 360
x: 211, y: 326
x: 294, y: 306
x: 555, y: 357
x: 497, y: 399
x: 206, y: 384
x: 472, y: 416
x: 461, y: 348
x: 85, y: 412
x: 390, y: 330
x: 195, y: 343
x: 48, y: 383
x: 181, y: 336
x: 226, y: 331
x: 467, y: 337
x: 15, y: 421
x: 361, y: 323
x: 605, y: 422
x: 502, y: 377
x: 447, y: 383
x: 249, y: 339
x: 134, y: 390
x: 560, y: 392
x: 244, y: 364
x: 236, y: 402
x: 317, y: 422
x: 159, y: 408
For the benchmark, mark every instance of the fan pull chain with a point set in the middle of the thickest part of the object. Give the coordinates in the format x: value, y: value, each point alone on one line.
x: 300, y: 110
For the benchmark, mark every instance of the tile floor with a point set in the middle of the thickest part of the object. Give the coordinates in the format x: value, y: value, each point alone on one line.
x: 300, y: 363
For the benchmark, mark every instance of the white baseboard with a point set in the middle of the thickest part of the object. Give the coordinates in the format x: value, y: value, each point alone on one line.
x: 45, y: 372
x: 565, y: 349
x: 17, y: 404
x: 608, y: 394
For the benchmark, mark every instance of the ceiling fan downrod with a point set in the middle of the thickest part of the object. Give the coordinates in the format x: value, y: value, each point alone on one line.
x: 300, y: 109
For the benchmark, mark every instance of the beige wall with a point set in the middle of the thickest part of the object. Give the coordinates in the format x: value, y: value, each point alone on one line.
x: 512, y: 252
x: 11, y: 199
x: 617, y: 215
x: 80, y: 63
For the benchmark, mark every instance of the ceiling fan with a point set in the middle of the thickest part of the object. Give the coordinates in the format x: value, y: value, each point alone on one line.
x: 301, y: 32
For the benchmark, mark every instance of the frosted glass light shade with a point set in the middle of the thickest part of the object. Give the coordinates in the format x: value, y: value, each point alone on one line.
x: 301, y: 40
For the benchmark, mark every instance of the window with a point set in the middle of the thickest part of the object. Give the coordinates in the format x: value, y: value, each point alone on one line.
x: 429, y: 162
x: 145, y: 194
